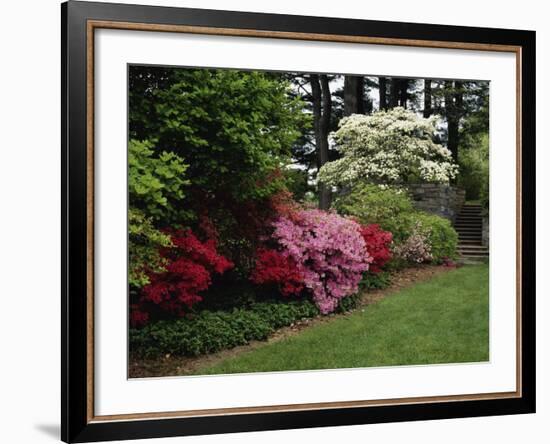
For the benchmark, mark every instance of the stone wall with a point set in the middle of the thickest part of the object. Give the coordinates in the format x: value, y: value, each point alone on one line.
x: 443, y: 200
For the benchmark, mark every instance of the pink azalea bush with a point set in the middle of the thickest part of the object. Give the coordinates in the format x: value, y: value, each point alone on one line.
x: 329, y: 252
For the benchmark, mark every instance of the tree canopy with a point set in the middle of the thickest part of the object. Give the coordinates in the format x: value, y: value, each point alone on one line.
x: 232, y: 128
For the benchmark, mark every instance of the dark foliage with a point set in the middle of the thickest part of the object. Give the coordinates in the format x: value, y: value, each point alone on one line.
x: 212, y: 331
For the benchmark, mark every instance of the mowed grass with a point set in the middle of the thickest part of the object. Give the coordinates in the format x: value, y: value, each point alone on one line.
x: 444, y: 320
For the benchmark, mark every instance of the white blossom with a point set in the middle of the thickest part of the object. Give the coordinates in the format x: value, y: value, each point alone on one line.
x: 393, y: 146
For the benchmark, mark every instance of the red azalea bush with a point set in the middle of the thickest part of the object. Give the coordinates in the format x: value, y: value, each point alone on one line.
x: 189, y: 269
x: 273, y: 267
x: 138, y: 316
x: 378, y: 245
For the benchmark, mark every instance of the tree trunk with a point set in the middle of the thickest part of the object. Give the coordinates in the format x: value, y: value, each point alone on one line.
x: 403, y: 92
x: 322, y: 108
x: 459, y: 98
x: 395, y: 88
x: 453, y: 105
x: 427, y: 98
x: 353, y: 95
x: 382, y: 95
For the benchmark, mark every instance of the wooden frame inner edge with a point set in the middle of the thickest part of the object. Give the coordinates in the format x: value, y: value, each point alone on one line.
x: 94, y: 24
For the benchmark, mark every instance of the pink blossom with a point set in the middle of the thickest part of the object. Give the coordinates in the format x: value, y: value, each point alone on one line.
x: 329, y: 251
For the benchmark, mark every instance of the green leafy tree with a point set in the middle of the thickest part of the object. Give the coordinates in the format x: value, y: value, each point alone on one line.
x: 234, y: 128
x: 474, y: 169
x: 156, y: 185
x: 156, y: 188
x: 144, y: 244
x: 464, y: 105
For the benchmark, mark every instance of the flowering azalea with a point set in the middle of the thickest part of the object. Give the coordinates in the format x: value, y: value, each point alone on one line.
x: 378, y: 244
x: 416, y: 247
x: 275, y: 267
x: 189, y: 267
x: 329, y: 252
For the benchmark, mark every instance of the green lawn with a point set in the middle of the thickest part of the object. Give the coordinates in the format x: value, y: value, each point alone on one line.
x: 444, y: 320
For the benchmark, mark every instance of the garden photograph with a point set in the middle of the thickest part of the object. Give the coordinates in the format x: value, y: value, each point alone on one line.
x: 291, y: 221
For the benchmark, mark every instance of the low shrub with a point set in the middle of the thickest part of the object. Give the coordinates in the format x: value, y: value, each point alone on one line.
x: 392, y: 210
x: 349, y: 303
x: 415, y: 248
x: 375, y: 281
x: 441, y: 236
x: 377, y: 204
x: 212, y: 331
x: 279, y: 315
x: 396, y: 263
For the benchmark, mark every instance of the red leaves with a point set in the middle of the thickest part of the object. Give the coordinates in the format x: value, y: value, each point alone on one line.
x: 188, y: 272
x: 190, y: 248
x: 378, y: 245
x: 138, y: 317
x: 272, y: 267
x: 282, y: 204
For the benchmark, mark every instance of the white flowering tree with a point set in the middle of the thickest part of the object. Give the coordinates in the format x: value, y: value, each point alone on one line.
x: 394, y: 146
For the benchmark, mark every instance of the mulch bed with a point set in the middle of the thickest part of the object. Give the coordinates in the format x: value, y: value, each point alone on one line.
x: 183, y: 365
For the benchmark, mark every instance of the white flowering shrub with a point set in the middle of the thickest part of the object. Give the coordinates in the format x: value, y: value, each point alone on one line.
x: 394, y: 146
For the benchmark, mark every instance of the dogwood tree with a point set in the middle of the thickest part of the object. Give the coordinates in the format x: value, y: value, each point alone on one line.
x: 394, y: 146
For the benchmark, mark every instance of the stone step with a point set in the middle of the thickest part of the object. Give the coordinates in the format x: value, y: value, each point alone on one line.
x: 462, y: 217
x: 473, y: 249
x: 468, y: 225
x: 476, y: 241
x: 473, y: 254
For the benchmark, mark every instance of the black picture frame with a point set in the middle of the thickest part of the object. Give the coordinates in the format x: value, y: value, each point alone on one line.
x: 76, y: 423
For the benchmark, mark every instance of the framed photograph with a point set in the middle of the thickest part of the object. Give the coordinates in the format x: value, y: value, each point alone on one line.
x: 276, y: 221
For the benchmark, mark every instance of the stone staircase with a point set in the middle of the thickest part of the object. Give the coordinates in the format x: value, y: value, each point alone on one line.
x: 468, y: 226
